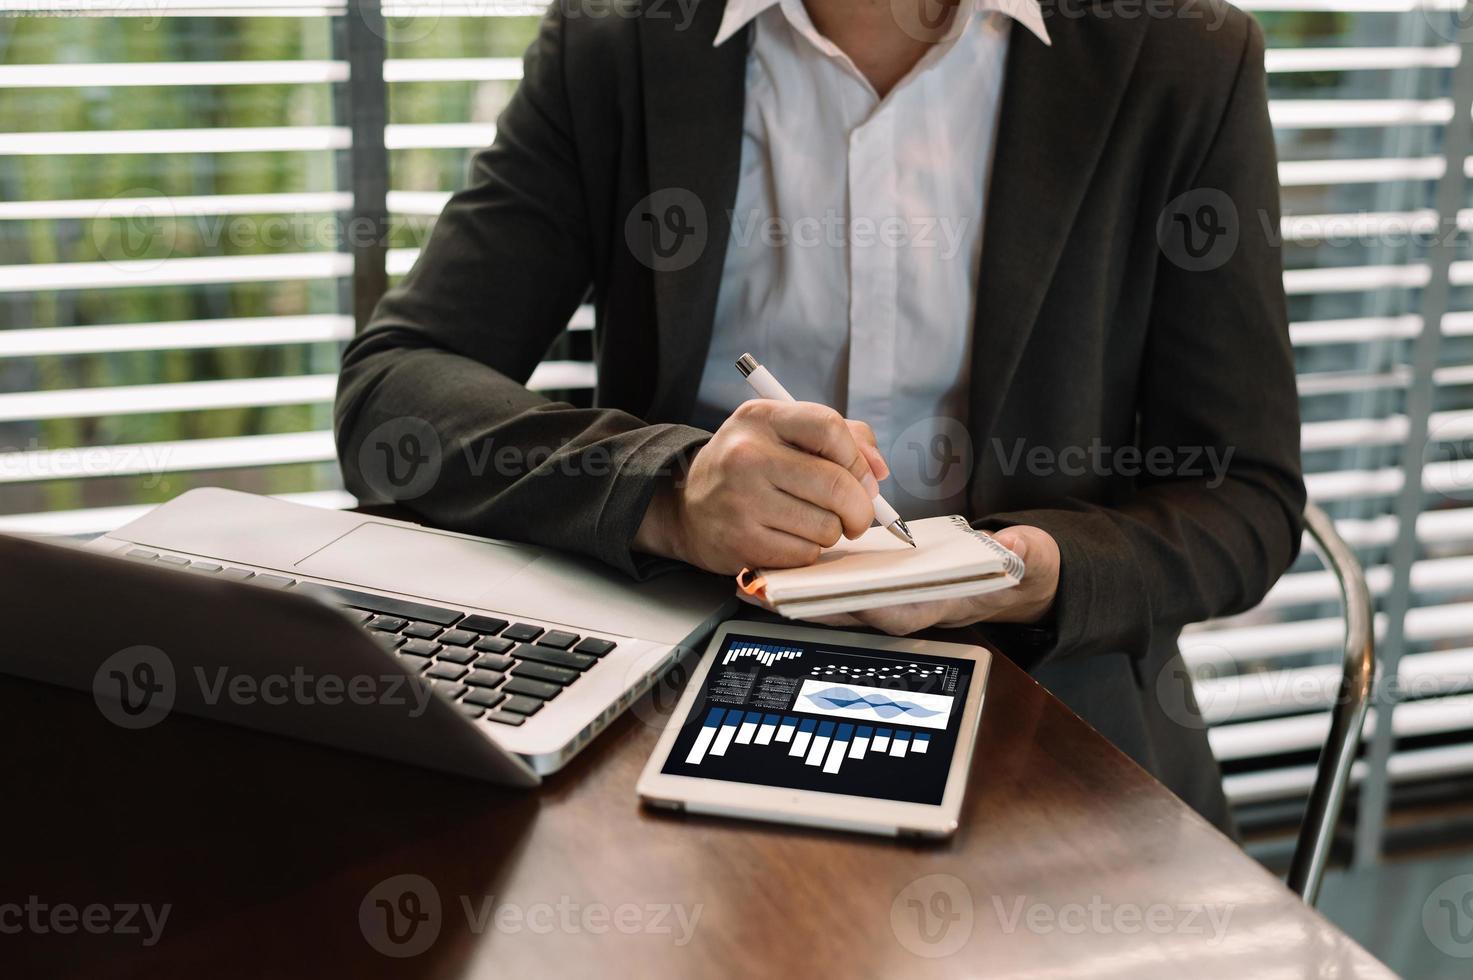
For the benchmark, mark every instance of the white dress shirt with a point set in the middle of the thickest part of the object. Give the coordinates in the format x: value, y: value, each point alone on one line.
x: 851, y: 271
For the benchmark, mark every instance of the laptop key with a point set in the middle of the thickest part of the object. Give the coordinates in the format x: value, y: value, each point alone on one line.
x: 205, y: 566
x: 456, y: 655
x: 532, y: 689
x: 522, y: 632
x: 358, y: 616
x: 483, y: 624
x: 402, y: 608
x: 422, y: 631
x: 181, y: 562
x: 238, y: 574
x: 522, y: 705
x: 421, y: 648
x: 471, y: 710
x: 143, y: 554
x: 492, y: 661
x: 544, y: 672
x: 273, y: 581
x: 387, y: 640
x: 594, y: 647
x: 505, y: 718
x: 558, y: 658
x: 485, y: 678
x: 494, y: 644
x: 458, y: 638
x: 388, y: 624
x: 443, y: 672
x: 485, y: 697
x: 558, y: 639
x: 449, y: 689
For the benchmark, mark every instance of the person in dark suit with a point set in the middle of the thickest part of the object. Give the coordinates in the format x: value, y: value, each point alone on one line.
x: 1028, y: 251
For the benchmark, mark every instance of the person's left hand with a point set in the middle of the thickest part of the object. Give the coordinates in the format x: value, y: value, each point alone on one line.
x: 1027, y: 602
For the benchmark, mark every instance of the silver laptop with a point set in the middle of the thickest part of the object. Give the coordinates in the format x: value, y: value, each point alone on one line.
x: 530, y: 651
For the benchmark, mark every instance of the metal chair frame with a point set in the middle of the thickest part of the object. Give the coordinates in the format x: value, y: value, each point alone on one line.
x: 1332, y: 776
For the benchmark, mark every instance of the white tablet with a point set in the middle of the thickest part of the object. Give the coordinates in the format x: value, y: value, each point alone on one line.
x: 815, y: 726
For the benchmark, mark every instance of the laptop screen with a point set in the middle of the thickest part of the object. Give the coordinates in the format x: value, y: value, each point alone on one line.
x: 825, y: 718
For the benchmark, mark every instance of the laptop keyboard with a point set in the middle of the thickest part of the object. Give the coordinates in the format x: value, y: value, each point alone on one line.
x: 493, y: 669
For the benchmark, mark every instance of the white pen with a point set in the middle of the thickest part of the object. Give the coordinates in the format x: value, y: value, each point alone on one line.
x: 766, y: 386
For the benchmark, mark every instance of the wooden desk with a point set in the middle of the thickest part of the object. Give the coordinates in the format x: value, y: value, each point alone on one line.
x: 1069, y: 857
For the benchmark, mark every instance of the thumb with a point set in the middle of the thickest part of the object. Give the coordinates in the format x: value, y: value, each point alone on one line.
x: 1014, y: 540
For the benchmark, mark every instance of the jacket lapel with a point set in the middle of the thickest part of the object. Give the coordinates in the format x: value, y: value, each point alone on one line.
x: 1059, y: 104
x: 693, y: 101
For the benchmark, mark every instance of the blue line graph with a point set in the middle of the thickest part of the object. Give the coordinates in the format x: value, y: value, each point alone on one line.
x: 860, y: 703
x: 884, y: 707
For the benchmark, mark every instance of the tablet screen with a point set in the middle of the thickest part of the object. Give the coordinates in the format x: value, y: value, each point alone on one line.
x: 826, y: 718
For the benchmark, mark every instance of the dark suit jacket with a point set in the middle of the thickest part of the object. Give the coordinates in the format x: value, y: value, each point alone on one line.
x: 1088, y: 331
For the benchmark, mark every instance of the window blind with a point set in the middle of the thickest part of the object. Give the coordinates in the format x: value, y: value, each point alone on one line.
x: 173, y: 299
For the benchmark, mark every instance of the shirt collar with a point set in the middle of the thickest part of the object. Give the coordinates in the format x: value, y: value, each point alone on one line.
x: 739, y: 13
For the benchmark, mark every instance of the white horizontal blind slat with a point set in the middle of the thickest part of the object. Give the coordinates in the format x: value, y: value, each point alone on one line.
x: 134, y: 74
x: 163, y: 207
x: 1286, y: 60
x: 243, y: 139
x: 183, y: 396
x: 179, y: 335
x: 153, y: 458
x: 132, y: 273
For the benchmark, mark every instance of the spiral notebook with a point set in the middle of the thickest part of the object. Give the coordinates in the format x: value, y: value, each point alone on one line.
x: 950, y: 560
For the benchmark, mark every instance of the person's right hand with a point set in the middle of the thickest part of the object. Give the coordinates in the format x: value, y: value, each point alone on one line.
x: 777, y: 482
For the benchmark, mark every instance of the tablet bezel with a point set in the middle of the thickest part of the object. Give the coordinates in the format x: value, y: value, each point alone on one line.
x: 811, y: 807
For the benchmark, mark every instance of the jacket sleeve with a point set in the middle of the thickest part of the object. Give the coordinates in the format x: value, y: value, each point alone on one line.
x: 1218, y: 377
x: 440, y: 371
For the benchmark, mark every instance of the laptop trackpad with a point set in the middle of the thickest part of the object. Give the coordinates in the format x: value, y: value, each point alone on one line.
x: 417, y: 562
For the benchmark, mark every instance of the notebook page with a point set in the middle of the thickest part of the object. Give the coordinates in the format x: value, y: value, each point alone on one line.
x: 946, y: 549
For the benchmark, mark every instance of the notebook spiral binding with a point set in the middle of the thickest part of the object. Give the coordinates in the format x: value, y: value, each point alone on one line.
x: 1011, y: 563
